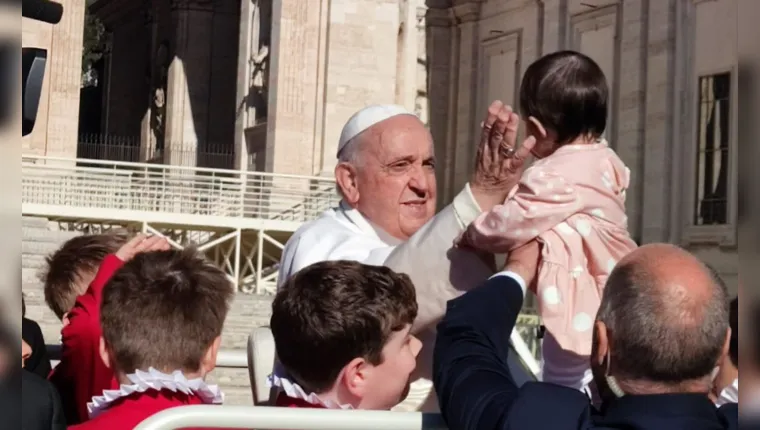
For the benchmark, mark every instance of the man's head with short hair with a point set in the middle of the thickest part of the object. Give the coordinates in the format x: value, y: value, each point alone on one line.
x: 72, y: 267
x: 386, y: 169
x: 662, y: 325
x: 165, y: 310
x: 342, y: 331
x: 563, y: 97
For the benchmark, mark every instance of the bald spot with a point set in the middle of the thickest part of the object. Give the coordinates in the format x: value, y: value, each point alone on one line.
x: 682, y: 282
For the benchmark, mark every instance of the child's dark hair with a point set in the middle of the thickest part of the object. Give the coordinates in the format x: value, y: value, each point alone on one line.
x: 567, y: 92
x: 74, y: 263
x: 332, y: 312
x: 164, y: 310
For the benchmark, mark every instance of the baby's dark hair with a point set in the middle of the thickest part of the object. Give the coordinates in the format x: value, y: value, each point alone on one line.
x: 567, y: 92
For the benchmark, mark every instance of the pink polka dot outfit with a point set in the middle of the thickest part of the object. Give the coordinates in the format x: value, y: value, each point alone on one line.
x: 573, y: 201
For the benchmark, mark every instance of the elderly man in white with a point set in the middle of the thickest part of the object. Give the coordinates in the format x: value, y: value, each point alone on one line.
x: 386, y: 178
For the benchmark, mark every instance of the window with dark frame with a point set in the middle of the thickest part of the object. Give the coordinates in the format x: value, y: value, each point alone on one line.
x: 713, y: 137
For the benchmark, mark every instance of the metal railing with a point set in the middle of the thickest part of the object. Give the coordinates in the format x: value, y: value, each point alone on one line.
x: 177, y: 190
x: 132, y: 149
x: 274, y: 418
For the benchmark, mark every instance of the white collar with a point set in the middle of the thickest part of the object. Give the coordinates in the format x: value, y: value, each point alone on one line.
x: 356, y: 218
x: 729, y: 394
x: 155, y: 380
x: 295, y: 391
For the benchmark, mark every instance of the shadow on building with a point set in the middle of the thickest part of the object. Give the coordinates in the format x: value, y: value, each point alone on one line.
x: 168, y: 83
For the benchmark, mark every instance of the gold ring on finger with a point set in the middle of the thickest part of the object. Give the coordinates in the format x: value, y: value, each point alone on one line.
x: 507, y: 151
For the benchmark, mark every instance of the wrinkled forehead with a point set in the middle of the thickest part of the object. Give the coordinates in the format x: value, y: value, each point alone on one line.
x: 399, y: 137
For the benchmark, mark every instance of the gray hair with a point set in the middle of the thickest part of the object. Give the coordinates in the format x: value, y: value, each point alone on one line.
x: 351, y: 154
x: 660, y: 335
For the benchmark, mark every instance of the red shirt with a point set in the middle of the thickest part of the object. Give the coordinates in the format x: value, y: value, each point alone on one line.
x: 81, y: 374
x: 126, y: 413
x: 285, y: 401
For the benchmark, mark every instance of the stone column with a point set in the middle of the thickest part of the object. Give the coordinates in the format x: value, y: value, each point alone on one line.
x: 247, y: 8
x: 631, y: 105
x: 291, y: 119
x: 443, y: 53
x: 188, y: 81
x: 468, y: 17
x: 406, y: 88
x: 658, y: 137
x: 555, y: 24
x: 65, y: 76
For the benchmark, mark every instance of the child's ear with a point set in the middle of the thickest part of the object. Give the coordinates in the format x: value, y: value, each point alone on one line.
x: 104, y: 355
x: 535, y: 128
x: 355, y: 376
x: 209, y: 360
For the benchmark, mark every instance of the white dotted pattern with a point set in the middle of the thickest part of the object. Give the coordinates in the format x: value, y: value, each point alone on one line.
x: 565, y: 228
x: 583, y: 227
x: 582, y: 322
x: 611, y: 263
x: 551, y: 296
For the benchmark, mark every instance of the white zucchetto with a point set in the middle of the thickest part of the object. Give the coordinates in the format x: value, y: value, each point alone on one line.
x: 366, y: 118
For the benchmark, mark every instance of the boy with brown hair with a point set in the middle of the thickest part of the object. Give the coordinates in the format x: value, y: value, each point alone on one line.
x: 161, y: 315
x: 81, y: 372
x: 342, y: 335
x: 71, y: 269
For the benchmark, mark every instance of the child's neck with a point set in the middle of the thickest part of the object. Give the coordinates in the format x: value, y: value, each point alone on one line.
x: 583, y: 140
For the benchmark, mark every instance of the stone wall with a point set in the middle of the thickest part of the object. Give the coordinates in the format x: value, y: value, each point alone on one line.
x: 55, y: 131
x: 41, y: 238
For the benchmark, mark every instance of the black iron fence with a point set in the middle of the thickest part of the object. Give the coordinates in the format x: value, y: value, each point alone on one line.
x: 130, y: 149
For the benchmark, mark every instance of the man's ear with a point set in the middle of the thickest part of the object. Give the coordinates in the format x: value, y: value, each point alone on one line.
x: 726, y: 350
x: 602, y: 343
x: 355, y: 376
x: 209, y: 359
x: 345, y: 177
x: 104, y: 355
x: 536, y: 128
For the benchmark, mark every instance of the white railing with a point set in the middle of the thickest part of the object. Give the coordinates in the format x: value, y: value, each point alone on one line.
x: 177, y: 190
x: 274, y: 418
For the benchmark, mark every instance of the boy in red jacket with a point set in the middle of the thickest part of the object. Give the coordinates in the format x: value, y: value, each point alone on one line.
x: 341, y: 332
x: 81, y: 373
x: 161, y: 316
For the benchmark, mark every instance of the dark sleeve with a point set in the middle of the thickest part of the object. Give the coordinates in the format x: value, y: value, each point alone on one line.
x: 475, y: 387
x: 58, y: 420
x: 470, y: 373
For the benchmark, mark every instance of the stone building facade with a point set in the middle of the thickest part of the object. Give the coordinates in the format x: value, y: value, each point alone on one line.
x: 273, y: 81
x: 55, y: 130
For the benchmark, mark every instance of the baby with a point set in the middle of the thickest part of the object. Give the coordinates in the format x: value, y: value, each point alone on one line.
x: 572, y: 199
x: 342, y: 335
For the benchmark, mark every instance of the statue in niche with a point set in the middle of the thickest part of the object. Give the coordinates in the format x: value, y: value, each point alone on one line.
x: 260, y: 81
x: 158, y: 95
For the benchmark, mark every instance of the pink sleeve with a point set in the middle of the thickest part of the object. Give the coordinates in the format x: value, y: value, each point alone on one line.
x: 542, y: 200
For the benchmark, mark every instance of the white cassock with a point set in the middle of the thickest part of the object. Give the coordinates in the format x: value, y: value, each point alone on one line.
x: 439, y: 273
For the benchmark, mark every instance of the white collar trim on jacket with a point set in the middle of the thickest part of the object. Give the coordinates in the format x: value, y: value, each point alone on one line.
x: 155, y: 380
x: 293, y: 390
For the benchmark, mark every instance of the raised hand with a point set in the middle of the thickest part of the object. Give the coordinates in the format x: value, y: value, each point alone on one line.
x: 142, y: 243
x: 498, y: 164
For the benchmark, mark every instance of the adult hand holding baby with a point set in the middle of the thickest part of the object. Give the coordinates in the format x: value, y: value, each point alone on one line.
x: 499, y: 163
